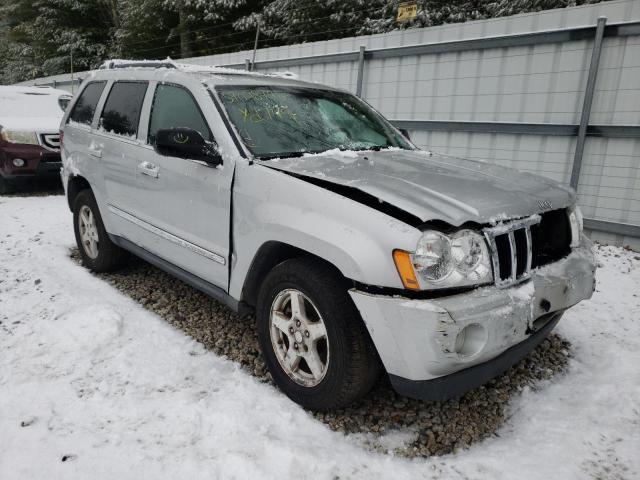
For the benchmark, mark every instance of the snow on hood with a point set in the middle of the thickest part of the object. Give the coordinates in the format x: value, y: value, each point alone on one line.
x: 31, y: 124
x: 432, y: 186
x: 31, y: 109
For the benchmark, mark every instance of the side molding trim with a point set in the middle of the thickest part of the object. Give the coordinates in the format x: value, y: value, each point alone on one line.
x: 168, y: 236
x: 198, y: 283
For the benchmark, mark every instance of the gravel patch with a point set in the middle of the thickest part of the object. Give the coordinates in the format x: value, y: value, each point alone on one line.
x: 383, y: 421
x: 40, y: 190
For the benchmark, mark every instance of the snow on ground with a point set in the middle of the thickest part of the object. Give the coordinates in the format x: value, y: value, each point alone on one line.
x: 94, y: 386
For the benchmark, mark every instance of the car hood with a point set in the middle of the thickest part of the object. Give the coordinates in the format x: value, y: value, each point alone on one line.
x: 47, y: 124
x: 434, y: 187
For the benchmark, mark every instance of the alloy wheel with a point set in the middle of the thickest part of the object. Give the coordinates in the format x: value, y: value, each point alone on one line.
x: 299, y: 338
x: 88, y: 232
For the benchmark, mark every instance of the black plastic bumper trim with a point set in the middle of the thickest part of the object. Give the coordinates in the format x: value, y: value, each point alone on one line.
x: 40, y: 174
x: 198, y: 283
x: 457, y: 384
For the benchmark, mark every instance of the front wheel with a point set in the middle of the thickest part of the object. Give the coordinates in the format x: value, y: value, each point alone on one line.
x: 312, y: 337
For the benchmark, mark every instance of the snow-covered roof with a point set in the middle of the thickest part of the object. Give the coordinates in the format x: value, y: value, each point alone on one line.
x: 11, y: 90
x: 211, y: 75
x: 189, y: 68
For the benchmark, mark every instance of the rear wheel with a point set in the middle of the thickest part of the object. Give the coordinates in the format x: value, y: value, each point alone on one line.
x: 314, y: 342
x: 97, y: 251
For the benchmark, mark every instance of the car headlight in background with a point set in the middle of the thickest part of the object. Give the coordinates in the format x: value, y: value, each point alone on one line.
x: 445, y: 261
x: 25, y: 138
x: 577, y: 224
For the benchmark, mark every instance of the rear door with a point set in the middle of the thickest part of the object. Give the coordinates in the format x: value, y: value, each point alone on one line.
x: 185, y: 204
x: 78, y: 135
x: 115, y: 143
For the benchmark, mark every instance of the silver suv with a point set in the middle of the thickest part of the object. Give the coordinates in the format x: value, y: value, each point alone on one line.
x: 357, y: 252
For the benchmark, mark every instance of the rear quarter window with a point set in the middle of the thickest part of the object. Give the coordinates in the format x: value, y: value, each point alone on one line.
x: 121, y: 112
x: 85, y: 107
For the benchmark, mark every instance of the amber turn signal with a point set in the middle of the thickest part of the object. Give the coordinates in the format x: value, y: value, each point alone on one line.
x: 402, y: 260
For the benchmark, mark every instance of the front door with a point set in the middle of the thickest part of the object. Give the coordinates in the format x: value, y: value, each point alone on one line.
x: 184, y: 204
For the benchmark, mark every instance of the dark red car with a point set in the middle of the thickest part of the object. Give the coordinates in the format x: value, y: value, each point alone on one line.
x: 29, y: 135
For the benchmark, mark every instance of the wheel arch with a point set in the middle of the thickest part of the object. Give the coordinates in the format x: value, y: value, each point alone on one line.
x: 75, y: 185
x: 269, y: 255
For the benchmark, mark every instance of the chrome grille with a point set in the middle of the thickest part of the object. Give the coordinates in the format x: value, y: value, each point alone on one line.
x: 510, y: 263
x: 50, y: 141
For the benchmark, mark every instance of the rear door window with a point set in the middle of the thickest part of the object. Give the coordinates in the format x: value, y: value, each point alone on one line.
x: 121, y: 112
x: 173, y: 106
x: 86, y: 105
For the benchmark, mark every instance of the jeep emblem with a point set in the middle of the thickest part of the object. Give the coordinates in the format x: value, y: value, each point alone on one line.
x: 545, y: 204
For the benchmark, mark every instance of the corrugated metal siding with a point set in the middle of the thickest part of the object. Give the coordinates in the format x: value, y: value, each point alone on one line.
x: 535, y: 84
x: 532, y: 84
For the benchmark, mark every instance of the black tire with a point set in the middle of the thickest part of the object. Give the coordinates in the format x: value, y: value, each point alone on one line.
x: 354, y: 366
x: 110, y: 257
x: 5, y: 187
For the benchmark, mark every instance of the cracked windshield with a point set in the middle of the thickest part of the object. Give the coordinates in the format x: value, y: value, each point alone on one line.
x: 285, y: 121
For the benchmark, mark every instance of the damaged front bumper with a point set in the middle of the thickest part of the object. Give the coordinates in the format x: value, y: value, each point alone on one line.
x: 441, y: 348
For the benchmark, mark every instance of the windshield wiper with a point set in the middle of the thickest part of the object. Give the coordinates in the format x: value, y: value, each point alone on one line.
x: 271, y: 156
x: 375, y: 148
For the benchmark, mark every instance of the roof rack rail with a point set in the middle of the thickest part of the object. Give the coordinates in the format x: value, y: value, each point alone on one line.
x: 284, y: 74
x: 111, y: 64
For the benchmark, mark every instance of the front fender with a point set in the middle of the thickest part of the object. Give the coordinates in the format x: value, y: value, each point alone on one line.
x: 358, y: 240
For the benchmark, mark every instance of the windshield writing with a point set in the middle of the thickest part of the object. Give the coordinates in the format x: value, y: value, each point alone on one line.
x: 287, y: 121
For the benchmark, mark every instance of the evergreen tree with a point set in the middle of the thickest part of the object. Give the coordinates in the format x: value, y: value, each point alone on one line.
x: 184, y: 28
x: 296, y: 21
x: 39, y: 37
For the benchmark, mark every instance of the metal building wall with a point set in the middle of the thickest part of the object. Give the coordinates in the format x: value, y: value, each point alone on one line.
x: 532, y: 84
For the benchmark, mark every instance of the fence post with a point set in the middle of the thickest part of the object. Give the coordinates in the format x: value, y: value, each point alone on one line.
x: 247, y: 64
x: 360, y: 71
x: 255, y: 47
x: 588, y: 100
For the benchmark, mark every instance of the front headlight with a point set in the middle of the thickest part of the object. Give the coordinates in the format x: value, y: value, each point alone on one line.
x: 576, y: 221
x: 445, y: 261
x: 25, y: 138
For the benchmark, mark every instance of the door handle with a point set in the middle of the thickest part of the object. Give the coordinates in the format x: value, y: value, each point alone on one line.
x: 95, y: 152
x: 148, y: 168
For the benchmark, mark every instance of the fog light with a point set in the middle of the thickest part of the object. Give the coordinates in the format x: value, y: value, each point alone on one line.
x: 18, y: 162
x: 471, y: 340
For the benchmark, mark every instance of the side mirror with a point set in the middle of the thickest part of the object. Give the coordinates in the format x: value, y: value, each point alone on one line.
x: 186, y: 143
x: 63, y: 101
x: 405, y: 133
